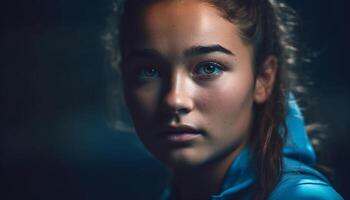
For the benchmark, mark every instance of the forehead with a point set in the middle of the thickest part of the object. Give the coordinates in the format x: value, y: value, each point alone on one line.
x: 180, y: 16
x: 176, y: 25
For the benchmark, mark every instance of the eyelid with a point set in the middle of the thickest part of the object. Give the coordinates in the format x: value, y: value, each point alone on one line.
x: 212, y: 62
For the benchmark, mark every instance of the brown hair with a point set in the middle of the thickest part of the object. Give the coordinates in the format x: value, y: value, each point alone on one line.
x: 266, y: 25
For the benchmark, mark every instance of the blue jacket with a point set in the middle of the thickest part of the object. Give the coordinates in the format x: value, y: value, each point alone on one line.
x: 299, y: 180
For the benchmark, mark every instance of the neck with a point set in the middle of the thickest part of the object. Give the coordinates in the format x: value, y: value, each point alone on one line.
x: 203, y: 181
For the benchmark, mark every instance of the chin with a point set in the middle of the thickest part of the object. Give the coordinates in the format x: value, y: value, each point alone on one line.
x: 184, y: 159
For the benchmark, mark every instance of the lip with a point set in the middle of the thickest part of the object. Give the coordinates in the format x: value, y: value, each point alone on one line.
x: 179, y: 134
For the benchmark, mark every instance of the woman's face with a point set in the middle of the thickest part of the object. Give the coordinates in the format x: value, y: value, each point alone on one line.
x: 189, y: 83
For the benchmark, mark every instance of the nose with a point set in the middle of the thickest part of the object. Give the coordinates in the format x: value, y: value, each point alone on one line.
x: 178, y: 100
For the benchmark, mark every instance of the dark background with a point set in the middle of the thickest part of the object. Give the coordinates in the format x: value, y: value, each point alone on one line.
x: 54, y: 141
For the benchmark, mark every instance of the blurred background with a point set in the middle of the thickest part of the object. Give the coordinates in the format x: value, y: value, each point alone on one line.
x: 54, y: 70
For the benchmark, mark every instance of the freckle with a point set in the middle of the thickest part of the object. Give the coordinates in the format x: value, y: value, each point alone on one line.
x: 230, y: 122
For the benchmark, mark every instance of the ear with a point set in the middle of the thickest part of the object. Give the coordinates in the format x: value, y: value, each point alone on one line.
x: 265, y: 80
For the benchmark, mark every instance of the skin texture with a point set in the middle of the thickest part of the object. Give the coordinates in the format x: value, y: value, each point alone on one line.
x: 169, y: 83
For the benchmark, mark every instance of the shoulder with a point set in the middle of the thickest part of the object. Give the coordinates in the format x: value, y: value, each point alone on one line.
x: 300, y: 181
x: 305, y: 189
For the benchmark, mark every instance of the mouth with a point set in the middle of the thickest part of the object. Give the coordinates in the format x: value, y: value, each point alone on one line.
x: 179, y: 134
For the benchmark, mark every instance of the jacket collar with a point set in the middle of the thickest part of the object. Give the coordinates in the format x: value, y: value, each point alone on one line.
x: 240, y: 176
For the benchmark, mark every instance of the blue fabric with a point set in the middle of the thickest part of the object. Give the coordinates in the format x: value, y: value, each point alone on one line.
x: 299, y: 180
x: 297, y: 145
x: 239, y: 177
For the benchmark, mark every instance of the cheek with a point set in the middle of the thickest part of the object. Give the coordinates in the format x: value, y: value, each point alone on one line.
x: 142, y: 102
x: 228, y: 108
x: 226, y: 99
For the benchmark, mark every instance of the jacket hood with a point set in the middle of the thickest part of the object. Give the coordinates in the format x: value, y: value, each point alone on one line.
x: 297, y: 146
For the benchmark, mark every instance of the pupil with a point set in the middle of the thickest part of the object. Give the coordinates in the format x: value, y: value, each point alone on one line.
x: 209, y: 69
x: 150, y: 71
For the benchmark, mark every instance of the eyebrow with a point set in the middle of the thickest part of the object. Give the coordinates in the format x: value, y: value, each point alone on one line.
x: 190, y: 52
x: 142, y: 53
x: 200, y: 50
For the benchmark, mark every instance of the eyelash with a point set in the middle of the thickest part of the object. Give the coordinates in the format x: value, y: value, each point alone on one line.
x: 152, y: 73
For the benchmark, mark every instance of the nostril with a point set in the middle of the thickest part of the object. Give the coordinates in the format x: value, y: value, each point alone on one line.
x: 177, y: 103
x: 174, y: 111
x: 181, y: 111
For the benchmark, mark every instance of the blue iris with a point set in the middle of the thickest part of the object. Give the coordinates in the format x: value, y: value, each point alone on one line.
x: 208, y: 69
x: 149, y: 73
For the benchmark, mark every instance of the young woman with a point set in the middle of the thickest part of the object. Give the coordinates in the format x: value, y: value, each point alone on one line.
x: 206, y: 83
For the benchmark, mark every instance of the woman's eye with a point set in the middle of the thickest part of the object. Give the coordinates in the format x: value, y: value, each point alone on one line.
x: 208, y: 69
x: 148, y: 73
